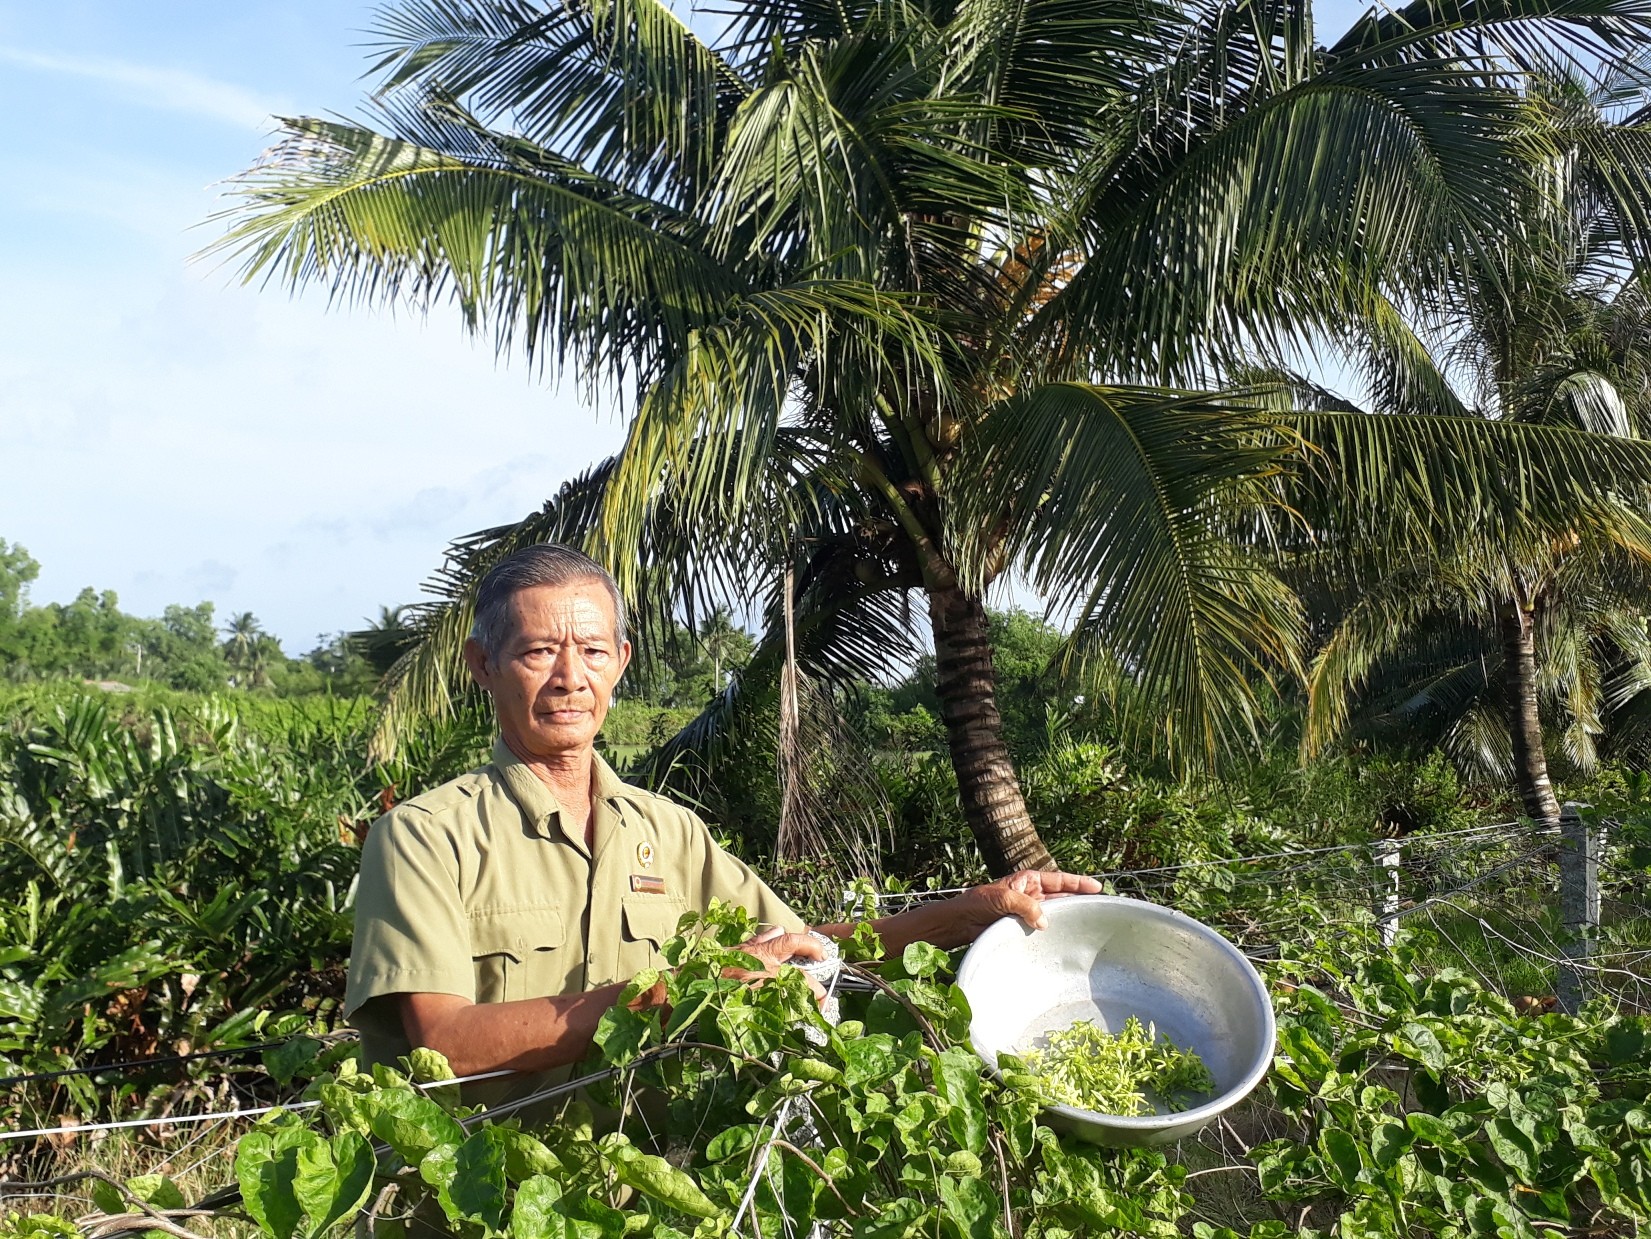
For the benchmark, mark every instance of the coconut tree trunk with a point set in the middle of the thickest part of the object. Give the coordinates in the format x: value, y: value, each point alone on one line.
x: 1530, y: 761
x: 967, y: 687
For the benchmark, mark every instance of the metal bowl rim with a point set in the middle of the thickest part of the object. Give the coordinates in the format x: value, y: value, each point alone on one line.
x: 1147, y: 1123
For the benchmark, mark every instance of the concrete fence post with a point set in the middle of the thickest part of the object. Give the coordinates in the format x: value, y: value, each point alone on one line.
x: 1387, y: 890
x: 1579, y: 848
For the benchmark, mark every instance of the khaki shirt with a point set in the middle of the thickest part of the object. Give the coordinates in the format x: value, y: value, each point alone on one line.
x: 476, y: 888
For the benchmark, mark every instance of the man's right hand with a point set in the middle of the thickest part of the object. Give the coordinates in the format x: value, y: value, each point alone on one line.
x: 774, y: 947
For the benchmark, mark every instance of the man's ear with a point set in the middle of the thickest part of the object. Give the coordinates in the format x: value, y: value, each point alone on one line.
x: 624, y: 659
x: 476, y: 659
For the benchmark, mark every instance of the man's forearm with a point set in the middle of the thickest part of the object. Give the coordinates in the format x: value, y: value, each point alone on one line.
x: 935, y: 923
x: 532, y: 1034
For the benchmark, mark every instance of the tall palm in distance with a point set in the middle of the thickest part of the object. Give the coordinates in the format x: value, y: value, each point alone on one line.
x: 385, y: 640
x: 1473, y: 645
x: 243, y: 636
x: 878, y: 279
x: 724, y: 643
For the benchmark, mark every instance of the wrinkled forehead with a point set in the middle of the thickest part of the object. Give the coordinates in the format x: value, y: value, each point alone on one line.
x: 580, y: 610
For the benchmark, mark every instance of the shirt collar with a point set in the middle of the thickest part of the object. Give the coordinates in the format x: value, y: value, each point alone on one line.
x: 536, y: 799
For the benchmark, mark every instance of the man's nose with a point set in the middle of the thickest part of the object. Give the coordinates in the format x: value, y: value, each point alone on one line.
x: 567, y: 672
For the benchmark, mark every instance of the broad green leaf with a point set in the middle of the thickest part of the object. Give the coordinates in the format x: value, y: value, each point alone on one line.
x: 869, y: 1060
x: 108, y: 1197
x: 1515, y: 1148
x: 438, y: 1169
x: 290, y: 1057
x: 732, y: 1142
x: 621, y: 1033
x: 478, y: 1186
x: 1420, y: 1044
x: 429, y: 1067
x: 970, y: 1209
x: 1435, y: 1131
x: 957, y: 1080
x: 658, y: 1179
x: 333, y: 1180
x: 1341, y: 1158
x: 409, y: 1123
x: 533, y: 1214
x: 527, y: 1156
x: 863, y: 946
x: 266, y: 1164
x: 157, y: 1190
x: 1388, y: 1141
x: 921, y: 960
x: 1311, y: 1063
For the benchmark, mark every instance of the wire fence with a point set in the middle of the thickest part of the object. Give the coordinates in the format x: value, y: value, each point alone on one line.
x: 1546, y: 917
x: 1490, y: 900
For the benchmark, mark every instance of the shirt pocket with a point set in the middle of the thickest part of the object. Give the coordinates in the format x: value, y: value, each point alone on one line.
x: 649, y: 921
x: 517, y: 953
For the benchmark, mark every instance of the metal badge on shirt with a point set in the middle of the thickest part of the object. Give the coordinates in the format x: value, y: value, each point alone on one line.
x: 645, y: 883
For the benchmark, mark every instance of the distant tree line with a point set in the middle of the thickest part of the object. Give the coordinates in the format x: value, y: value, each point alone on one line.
x: 186, y: 648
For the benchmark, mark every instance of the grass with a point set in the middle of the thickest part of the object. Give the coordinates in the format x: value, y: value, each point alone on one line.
x: 58, y: 1174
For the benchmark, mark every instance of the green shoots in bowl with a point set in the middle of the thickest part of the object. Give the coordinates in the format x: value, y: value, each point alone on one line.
x: 1115, y: 1073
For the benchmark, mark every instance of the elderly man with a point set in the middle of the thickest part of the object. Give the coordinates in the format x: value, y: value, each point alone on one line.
x: 501, y: 914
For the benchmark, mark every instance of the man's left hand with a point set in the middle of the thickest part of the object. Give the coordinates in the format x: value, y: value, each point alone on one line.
x: 1021, y: 895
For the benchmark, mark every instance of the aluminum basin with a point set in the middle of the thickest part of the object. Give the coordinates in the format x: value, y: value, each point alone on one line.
x: 1105, y: 958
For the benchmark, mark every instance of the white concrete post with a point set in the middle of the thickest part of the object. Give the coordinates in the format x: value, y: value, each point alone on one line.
x: 1387, y: 890
x: 1579, y: 848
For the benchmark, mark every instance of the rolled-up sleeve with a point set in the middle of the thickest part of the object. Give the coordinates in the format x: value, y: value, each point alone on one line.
x: 411, y: 933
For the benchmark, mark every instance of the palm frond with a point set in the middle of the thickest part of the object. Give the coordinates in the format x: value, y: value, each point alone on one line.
x: 1114, y: 501
x: 1525, y: 35
x: 1193, y: 260
x: 1380, y: 622
x: 846, y: 633
x: 545, y: 254
x: 622, y: 87
x: 1399, y: 486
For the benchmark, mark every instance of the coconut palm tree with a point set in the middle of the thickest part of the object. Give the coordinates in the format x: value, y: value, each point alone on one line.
x: 1475, y: 644
x: 723, y: 642
x: 385, y: 639
x: 876, y: 277
x: 242, y: 637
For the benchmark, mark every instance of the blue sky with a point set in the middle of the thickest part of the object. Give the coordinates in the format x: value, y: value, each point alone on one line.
x: 174, y: 436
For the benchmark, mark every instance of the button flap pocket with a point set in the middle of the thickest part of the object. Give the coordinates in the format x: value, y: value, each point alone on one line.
x: 516, y: 932
x: 653, y: 918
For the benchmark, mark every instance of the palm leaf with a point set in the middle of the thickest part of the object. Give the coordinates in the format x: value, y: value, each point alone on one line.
x: 1402, y: 486
x: 622, y: 87
x: 1116, y: 502
x: 547, y: 255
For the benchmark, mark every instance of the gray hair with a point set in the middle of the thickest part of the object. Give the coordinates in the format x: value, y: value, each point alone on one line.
x: 548, y: 563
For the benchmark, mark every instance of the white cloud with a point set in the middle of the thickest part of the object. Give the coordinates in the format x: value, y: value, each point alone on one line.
x: 173, y: 90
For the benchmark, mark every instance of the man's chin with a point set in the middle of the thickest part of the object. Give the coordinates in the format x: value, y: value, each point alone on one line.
x: 553, y: 739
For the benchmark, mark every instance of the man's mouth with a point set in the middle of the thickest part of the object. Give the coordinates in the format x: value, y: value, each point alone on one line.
x: 566, y: 714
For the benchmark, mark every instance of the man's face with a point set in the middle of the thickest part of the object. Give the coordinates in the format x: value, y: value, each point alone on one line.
x: 552, y: 677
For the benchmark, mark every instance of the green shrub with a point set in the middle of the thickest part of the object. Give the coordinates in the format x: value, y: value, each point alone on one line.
x: 169, y: 878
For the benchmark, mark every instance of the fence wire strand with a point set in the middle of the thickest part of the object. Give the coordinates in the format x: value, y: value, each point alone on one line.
x: 1486, y: 901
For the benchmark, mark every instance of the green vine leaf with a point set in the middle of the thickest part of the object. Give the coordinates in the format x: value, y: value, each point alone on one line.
x: 333, y: 1180
x: 478, y: 1185
x: 410, y: 1124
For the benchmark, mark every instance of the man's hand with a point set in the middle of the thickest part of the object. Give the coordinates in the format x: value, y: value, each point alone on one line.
x: 773, y: 947
x: 1020, y: 894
